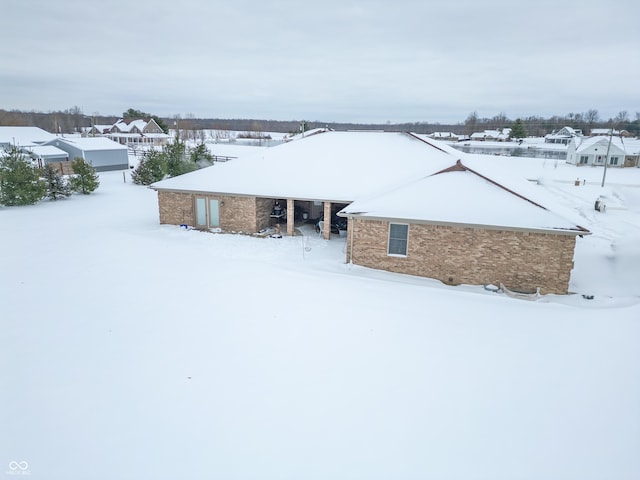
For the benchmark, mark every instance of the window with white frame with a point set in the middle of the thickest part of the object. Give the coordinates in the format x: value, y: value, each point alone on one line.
x: 584, y: 158
x: 613, y: 161
x: 398, y: 239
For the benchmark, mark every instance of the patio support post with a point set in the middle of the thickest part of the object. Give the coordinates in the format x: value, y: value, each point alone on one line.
x: 327, y: 221
x: 290, y: 217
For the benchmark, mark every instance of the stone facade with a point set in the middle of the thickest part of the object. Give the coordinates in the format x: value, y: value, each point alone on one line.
x: 455, y: 255
x: 264, y: 206
x: 237, y: 213
x: 176, y: 208
x: 326, y: 234
x: 630, y: 161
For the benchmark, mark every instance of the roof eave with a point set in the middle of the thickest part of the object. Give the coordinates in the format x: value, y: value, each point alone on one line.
x: 554, y: 231
x: 236, y: 194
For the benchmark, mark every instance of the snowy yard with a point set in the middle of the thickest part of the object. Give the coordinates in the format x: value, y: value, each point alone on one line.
x: 131, y: 350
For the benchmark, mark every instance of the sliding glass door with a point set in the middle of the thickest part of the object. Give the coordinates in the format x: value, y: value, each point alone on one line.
x: 207, y: 212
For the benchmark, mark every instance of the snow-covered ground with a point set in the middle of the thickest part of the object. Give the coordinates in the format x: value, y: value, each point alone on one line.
x: 132, y: 350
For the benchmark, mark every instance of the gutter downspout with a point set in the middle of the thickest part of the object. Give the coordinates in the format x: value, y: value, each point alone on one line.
x: 353, y: 228
x: 606, y: 157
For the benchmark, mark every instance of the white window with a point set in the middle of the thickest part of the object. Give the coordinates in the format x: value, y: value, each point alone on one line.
x: 613, y: 161
x: 584, y: 158
x: 398, y: 239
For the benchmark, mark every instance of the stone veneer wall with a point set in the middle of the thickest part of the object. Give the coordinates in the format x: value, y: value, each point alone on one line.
x: 176, y: 208
x: 264, y: 207
x: 455, y: 255
x: 237, y: 214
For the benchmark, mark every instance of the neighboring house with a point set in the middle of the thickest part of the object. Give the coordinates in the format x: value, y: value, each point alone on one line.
x: 527, y: 245
x: 43, y: 148
x: 604, y: 132
x: 501, y: 135
x: 23, y: 137
x: 448, y: 136
x: 488, y: 234
x: 562, y: 136
x: 43, y: 155
x: 98, y: 130
x: 102, y: 153
x: 31, y: 141
x: 134, y: 132
x: 583, y: 151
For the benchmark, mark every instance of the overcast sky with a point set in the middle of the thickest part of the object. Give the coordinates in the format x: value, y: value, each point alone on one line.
x: 330, y: 60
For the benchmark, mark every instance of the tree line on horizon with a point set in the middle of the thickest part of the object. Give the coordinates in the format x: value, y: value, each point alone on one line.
x: 73, y: 120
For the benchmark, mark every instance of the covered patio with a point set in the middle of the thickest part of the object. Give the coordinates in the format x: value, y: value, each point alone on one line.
x: 293, y: 213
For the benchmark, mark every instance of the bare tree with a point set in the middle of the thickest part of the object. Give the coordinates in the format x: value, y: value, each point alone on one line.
x: 471, y: 123
x: 591, y: 117
x: 622, y: 117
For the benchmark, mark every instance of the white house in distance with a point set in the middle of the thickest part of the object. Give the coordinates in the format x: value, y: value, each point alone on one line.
x: 501, y: 135
x: 593, y: 151
x: 135, y: 132
x: 563, y: 136
x: 448, y: 136
x: 605, y: 132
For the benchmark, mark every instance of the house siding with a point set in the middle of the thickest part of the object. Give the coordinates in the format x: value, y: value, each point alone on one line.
x: 464, y: 255
x: 107, y: 160
x: 100, y: 160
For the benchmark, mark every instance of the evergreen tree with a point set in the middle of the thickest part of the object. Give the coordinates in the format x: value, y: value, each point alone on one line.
x: 57, y: 186
x: 175, y: 155
x: 85, y: 179
x: 150, y: 169
x: 201, y: 156
x: 518, y: 130
x: 20, y: 183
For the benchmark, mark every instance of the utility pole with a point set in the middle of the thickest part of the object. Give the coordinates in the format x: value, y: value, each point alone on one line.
x: 606, y: 157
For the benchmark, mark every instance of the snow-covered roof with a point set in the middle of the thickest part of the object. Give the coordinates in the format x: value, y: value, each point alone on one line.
x: 564, y: 132
x: 24, y: 136
x: 102, y: 128
x: 442, y: 135
x: 585, y: 143
x: 502, y: 134
x: 47, y: 151
x: 336, y: 166
x: 459, y: 195
x: 127, y: 125
x: 604, y: 131
x: 92, y: 143
x: 307, y: 133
